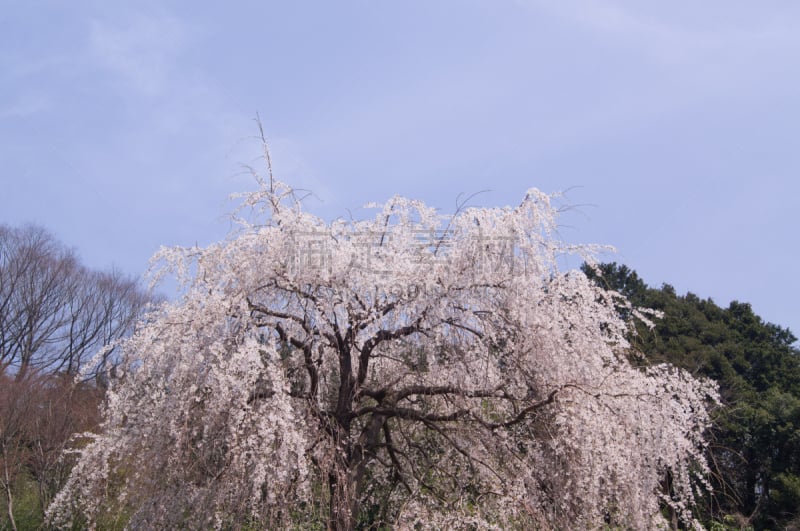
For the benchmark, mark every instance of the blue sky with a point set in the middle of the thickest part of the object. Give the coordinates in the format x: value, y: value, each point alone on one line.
x: 674, y: 125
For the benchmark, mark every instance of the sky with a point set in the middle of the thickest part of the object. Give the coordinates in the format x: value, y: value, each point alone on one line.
x: 673, y: 127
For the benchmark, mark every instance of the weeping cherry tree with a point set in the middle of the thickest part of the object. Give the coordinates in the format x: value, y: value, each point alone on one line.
x: 411, y: 370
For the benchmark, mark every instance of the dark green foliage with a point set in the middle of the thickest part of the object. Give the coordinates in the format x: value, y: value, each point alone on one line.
x: 755, y: 448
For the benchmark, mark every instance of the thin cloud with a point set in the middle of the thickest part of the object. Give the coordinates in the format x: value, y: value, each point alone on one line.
x: 26, y: 105
x: 142, y: 52
x: 692, y: 41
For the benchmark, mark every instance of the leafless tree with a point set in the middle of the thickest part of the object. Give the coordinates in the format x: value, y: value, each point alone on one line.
x: 55, y: 315
x: 54, y: 312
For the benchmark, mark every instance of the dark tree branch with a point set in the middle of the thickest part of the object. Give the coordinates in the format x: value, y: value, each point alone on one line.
x: 377, y: 339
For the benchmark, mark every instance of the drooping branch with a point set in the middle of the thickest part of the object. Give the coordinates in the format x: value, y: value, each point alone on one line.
x: 522, y: 415
x: 392, y: 451
x: 279, y: 315
x: 377, y: 339
x: 431, y: 390
x: 410, y: 414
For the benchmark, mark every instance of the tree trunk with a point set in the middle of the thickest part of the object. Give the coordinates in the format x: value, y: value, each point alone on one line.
x: 346, y: 481
x: 7, y: 482
x: 344, y: 502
